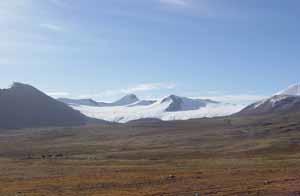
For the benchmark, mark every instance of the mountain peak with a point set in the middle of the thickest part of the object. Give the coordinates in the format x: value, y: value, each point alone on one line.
x: 293, y: 90
x: 287, y: 100
x: 171, y: 98
x: 177, y: 103
x: 130, y: 96
x: 20, y: 85
x: 24, y: 106
x: 126, y: 100
x: 18, y: 88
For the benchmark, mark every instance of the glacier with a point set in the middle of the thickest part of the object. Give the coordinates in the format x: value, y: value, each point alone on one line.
x: 126, y: 113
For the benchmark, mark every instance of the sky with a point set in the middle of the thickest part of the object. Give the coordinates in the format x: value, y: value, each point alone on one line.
x: 103, y: 49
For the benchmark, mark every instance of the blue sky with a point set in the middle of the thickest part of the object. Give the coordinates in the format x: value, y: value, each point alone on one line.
x: 225, y: 49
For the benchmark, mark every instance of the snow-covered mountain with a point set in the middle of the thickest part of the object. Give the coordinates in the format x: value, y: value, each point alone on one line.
x: 126, y: 100
x: 287, y: 100
x: 169, y: 108
x: 293, y: 90
x: 177, y: 103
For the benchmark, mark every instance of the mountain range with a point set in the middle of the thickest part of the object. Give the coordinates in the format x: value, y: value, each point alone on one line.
x: 126, y: 100
x: 24, y: 106
x: 172, y: 107
x: 130, y: 107
x: 176, y: 103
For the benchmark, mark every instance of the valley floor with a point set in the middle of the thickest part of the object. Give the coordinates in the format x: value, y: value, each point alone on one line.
x: 206, y: 177
x: 210, y: 157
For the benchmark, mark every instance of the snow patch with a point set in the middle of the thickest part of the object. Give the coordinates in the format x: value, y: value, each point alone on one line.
x: 291, y: 90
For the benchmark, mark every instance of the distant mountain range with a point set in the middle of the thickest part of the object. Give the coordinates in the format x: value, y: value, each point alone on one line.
x: 176, y: 103
x: 130, y: 100
x: 23, y: 106
x: 130, y: 107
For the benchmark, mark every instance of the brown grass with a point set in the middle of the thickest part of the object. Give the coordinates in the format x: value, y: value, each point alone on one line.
x: 210, y: 157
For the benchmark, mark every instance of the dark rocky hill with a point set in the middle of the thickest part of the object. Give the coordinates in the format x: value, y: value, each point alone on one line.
x: 23, y: 106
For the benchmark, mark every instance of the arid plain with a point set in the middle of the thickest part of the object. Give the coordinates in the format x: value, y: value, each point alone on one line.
x: 220, y: 156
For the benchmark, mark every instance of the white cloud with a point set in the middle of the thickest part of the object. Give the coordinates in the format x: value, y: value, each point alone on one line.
x: 51, y: 27
x: 175, y: 2
x: 148, y: 87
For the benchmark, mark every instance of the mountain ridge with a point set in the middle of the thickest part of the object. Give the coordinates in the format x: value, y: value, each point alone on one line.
x: 178, y: 103
x: 169, y: 108
x: 23, y: 106
x: 291, y: 90
x: 285, y: 101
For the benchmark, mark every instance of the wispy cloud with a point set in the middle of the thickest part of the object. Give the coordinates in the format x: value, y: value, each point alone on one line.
x: 175, y: 2
x: 148, y: 87
x: 52, y: 27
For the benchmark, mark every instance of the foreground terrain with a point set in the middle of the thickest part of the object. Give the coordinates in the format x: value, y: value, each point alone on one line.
x: 221, y: 156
